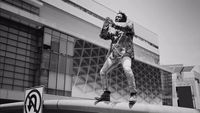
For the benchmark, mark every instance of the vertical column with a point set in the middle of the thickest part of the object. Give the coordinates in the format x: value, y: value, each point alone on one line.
x: 196, y: 94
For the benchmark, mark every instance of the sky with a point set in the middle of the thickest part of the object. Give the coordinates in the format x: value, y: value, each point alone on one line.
x: 176, y: 22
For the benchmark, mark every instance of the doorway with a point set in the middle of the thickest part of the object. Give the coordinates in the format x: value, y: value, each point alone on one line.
x: 184, y: 94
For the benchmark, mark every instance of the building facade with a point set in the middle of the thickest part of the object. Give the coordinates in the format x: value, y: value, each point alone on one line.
x: 57, y: 44
x: 186, y: 86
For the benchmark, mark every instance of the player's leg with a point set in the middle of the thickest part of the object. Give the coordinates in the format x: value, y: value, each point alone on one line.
x: 109, y: 63
x: 126, y: 64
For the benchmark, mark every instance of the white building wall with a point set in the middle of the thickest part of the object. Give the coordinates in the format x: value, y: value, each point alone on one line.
x: 146, y: 34
x: 74, y: 11
x: 73, y: 25
x: 104, y: 12
x: 146, y: 46
x: 174, y: 94
x: 189, y: 79
x: 96, y: 8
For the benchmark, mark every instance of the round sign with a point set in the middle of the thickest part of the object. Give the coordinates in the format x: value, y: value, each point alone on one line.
x: 33, y: 102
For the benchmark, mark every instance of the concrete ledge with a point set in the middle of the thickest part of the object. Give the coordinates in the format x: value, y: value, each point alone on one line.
x: 102, y: 107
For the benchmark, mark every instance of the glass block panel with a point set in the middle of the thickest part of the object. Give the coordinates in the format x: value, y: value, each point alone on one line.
x: 54, y: 62
x: 47, y: 39
x: 62, y: 64
x: 70, y: 48
x: 63, y: 46
x: 60, y: 81
x: 52, y: 80
x: 68, y: 83
x: 55, y: 44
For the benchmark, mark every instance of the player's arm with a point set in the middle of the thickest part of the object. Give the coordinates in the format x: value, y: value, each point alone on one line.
x: 107, y: 32
x: 128, y: 27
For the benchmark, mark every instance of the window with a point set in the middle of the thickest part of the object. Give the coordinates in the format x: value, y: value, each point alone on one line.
x: 19, y: 76
x: 56, y: 33
x: 20, y: 63
x: 63, y: 46
x: 12, y: 36
x: 22, y: 39
x: 68, y: 83
x: 52, y: 80
x: 3, y: 40
x: 18, y: 82
x: 21, y: 51
x: 27, y: 71
x: 5, y: 28
x: 2, y: 53
x: 55, y: 44
x: 19, y: 69
x: 47, y: 30
x: 24, y: 34
x: 63, y: 36
x: 7, y: 80
x: 62, y: 64
x: 10, y: 61
x: 47, y: 39
x: 45, y: 59
x: 12, y: 42
x: 71, y: 39
x: 20, y: 57
x: 22, y: 45
x: 1, y: 59
x: 28, y: 47
x: 11, y: 55
x: 3, y: 34
x: 1, y: 72
x: 70, y: 48
x: 60, y: 81
x: 1, y: 66
x: 8, y: 74
x: 44, y: 77
x: 69, y: 65
x: 11, y: 49
x: 3, y: 46
x: 54, y: 62
x: 12, y: 30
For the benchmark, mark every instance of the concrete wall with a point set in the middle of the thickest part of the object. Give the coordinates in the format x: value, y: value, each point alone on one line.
x: 83, y: 17
x: 188, y: 80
